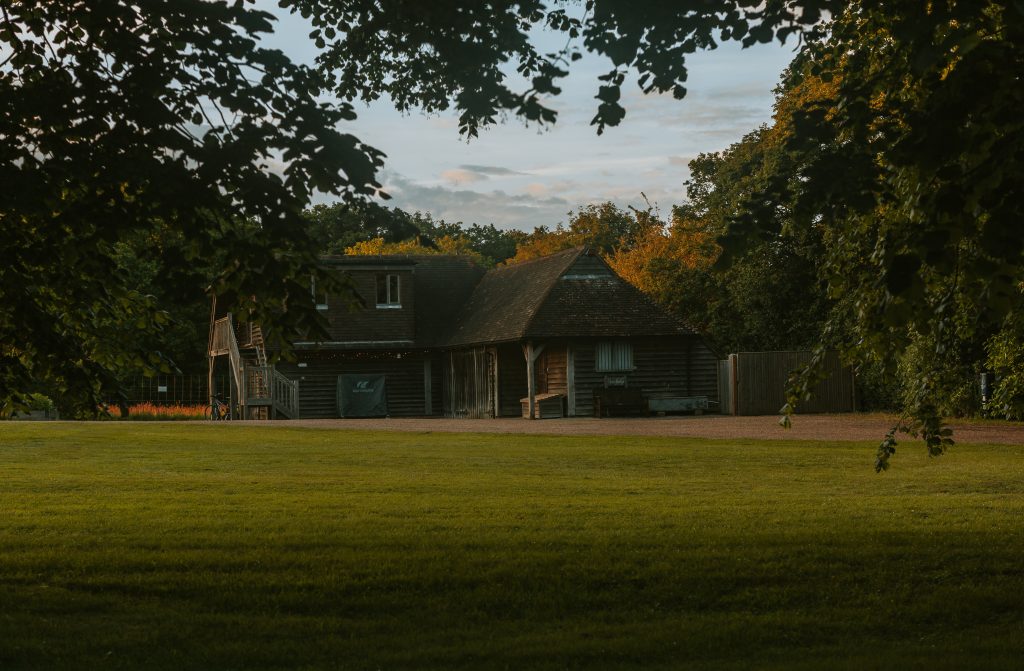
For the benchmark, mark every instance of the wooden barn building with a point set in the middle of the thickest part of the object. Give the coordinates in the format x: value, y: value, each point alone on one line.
x: 440, y: 336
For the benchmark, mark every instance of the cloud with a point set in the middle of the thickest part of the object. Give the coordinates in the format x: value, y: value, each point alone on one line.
x: 492, y: 170
x: 468, y: 174
x: 618, y: 165
x: 460, y: 176
x: 508, y: 211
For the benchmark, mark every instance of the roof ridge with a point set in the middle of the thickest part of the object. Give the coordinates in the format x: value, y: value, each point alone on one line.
x: 371, y: 258
x: 546, y: 257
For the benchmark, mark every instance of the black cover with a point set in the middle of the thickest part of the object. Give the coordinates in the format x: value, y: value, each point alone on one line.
x: 362, y: 395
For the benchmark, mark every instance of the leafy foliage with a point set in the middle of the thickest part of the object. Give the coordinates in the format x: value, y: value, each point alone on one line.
x: 1005, y: 352
x: 340, y: 225
x: 769, y: 297
x: 368, y: 228
x: 911, y: 167
x: 604, y: 227
x: 442, y: 245
x: 120, y: 117
x: 449, y: 54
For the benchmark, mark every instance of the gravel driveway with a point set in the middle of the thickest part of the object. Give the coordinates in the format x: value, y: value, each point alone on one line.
x: 870, y: 427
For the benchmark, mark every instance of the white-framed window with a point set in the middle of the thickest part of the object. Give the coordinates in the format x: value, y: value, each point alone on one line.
x: 389, y: 291
x: 613, y: 357
x: 320, y: 297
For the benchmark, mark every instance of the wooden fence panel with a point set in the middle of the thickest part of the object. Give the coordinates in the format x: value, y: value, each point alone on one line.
x: 758, y: 380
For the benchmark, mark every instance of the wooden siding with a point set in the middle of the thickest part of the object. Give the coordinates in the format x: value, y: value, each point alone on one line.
x: 551, y: 370
x: 436, y: 383
x: 372, y: 323
x: 318, y: 381
x: 682, y: 366
x: 761, y: 379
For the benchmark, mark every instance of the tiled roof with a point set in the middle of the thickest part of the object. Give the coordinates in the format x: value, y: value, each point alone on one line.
x: 542, y: 298
x: 507, y: 297
x: 583, y: 304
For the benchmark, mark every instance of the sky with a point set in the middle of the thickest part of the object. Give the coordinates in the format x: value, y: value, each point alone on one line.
x: 514, y: 176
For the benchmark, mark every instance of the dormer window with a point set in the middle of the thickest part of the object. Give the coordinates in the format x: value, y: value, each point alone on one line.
x: 388, y: 295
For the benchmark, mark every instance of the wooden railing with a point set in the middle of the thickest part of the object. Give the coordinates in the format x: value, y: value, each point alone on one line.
x: 258, y: 384
x: 250, y: 336
x: 266, y: 386
x: 285, y: 393
x: 224, y: 342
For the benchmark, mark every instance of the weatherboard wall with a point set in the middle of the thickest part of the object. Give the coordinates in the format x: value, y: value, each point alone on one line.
x: 406, y: 373
x: 679, y: 366
x: 350, y: 323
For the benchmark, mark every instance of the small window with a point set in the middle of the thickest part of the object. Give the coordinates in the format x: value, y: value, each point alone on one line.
x: 611, y: 357
x: 319, y: 297
x: 388, y: 295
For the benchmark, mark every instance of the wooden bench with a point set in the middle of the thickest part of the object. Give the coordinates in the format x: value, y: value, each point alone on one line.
x: 618, y: 402
x: 546, y: 406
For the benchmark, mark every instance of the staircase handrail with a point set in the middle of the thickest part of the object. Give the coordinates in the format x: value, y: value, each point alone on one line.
x: 224, y: 341
x: 285, y: 392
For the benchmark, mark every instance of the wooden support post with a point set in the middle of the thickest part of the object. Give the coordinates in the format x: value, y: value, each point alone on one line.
x: 735, y: 382
x: 570, y: 381
x: 531, y: 384
x: 531, y: 354
x: 496, y: 381
x: 209, y: 385
x: 428, y: 401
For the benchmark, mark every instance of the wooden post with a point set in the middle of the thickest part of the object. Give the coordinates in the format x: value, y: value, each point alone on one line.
x: 531, y: 354
x: 209, y: 384
x: 497, y: 383
x: 531, y: 384
x: 570, y: 381
x: 428, y: 405
x: 209, y: 352
x: 734, y: 380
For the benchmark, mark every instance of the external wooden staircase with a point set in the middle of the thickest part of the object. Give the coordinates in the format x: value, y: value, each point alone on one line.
x: 260, y: 391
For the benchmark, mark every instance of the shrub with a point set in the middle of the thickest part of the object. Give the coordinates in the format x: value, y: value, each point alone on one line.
x: 152, y: 411
x: 1006, y: 359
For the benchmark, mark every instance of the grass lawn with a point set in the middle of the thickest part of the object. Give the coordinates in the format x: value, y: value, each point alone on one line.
x: 165, y: 546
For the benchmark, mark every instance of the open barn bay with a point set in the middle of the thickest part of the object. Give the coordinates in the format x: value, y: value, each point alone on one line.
x: 268, y: 547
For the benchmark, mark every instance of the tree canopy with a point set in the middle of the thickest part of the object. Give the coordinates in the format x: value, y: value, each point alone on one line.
x: 455, y: 55
x: 910, y: 164
x: 895, y: 156
x: 121, y: 117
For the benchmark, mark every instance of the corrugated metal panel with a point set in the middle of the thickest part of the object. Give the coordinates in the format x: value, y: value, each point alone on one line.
x: 761, y: 379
